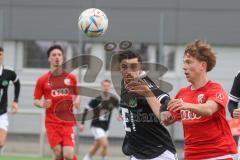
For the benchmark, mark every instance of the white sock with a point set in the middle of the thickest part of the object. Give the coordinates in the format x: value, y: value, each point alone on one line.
x: 1, y: 150
x: 104, y: 158
x: 87, y: 157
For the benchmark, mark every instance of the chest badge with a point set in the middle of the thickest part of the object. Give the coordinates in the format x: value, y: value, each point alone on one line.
x: 133, y: 103
x: 201, y: 98
x: 4, y: 83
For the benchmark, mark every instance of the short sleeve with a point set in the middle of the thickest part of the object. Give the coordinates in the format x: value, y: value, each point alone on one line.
x: 235, y: 90
x: 218, y: 95
x: 38, y: 92
x: 14, y: 77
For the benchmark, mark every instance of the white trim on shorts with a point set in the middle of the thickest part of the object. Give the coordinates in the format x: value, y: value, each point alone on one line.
x: 233, y: 156
x: 4, y: 121
x: 167, y: 155
x: 99, y: 132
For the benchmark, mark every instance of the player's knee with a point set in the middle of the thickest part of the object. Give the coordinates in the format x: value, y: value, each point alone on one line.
x: 58, y: 152
x: 68, y: 156
x: 104, y: 143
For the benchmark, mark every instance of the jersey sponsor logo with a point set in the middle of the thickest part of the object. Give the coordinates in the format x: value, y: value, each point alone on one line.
x: 201, y: 98
x: 67, y: 81
x: 220, y: 96
x: 4, y: 83
x: 188, y: 115
x: 60, y: 92
x: 133, y: 103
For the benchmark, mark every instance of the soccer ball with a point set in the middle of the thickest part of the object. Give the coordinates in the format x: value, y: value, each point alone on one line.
x: 93, y: 22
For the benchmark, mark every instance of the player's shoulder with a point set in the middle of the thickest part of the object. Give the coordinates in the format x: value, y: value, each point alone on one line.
x: 214, y: 85
x: 113, y: 97
x: 237, y: 74
x: 8, y: 69
x: 184, y: 89
x: 43, y: 76
x: 71, y: 76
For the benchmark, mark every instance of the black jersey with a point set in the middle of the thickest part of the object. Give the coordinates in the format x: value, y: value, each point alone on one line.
x: 235, y: 91
x: 7, y: 75
x: 102, y: 109
x: 234, y: 96
x: 146, y: 137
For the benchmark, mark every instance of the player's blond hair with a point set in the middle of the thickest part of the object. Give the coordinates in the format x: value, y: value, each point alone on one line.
x: 202, y: 51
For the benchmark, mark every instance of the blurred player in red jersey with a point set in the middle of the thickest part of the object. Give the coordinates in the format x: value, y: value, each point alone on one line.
x: 202, y: 108
x: 59, y: 90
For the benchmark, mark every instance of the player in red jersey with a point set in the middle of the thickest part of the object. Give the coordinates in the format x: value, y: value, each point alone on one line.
x: 59, y: 90
x: 202, y: 108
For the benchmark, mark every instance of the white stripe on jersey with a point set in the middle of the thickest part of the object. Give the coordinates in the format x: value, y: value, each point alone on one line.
x: 161, y: 97
x: 16, y: 79
x: 234, y: 98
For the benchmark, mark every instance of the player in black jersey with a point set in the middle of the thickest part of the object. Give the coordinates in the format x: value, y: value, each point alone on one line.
x: 6, y: 75
x: 234, y: 99
x: 102, y: 107
x: 141, y: 100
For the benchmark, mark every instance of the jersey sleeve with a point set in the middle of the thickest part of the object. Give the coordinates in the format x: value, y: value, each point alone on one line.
x: 115, y: 102
x: 162, y: 97
x: 218, y: 95
x: 38, y: 92
x: 235, y: 91
x: 74, y: 85
x: 14, y: 77
x: 93, y: 103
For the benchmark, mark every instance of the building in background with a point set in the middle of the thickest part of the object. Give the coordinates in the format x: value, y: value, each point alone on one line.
x: 159, y: 28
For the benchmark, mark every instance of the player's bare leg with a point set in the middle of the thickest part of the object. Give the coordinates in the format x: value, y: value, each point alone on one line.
x: 92, y: 150
x: 58, y: 152
x: 68, y: 153
x: 103, y: 145
x: 3, y: 136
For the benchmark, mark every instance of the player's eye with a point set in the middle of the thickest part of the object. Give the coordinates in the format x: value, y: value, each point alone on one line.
x: 124, y: 67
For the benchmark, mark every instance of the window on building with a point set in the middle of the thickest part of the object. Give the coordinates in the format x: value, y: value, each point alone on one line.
x: 35, y: 53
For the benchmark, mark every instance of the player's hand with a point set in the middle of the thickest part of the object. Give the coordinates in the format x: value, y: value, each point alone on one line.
x: 14, y: 108
x: 81, y: 127
x: 236, y: 113
x: 119, y: 118
x: 176, y: 105
x: 138, y: 86
x: 47, y: 103
x: 76, y: 104
x: 166, y: 118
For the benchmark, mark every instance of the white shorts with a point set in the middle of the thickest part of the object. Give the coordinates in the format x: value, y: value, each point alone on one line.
x: 4, y: 121
x: 167, y: 155
x: 99, y: 132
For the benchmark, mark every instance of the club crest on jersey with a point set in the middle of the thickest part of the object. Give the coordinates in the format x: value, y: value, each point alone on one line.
x: 67, y: 81
x: 133, y: 103
x: 201, y: 98
x: 4, y: 83
x: 220, y: 96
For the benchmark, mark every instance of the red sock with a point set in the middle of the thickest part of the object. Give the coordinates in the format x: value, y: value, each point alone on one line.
x: 75, y: 157
x: 59, y: 158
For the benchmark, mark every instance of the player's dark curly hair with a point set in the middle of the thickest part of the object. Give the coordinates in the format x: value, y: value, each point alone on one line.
x: 202, y: 51
x: 55, y: 46
x: 128, y: 54
x: 1, y: 49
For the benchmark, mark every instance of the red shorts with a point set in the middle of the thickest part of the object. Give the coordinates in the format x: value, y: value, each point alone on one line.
x: 60, y: 135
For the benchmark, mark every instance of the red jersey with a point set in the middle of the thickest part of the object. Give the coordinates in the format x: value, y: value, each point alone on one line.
x: 61, y: 90
x: 206, y: 137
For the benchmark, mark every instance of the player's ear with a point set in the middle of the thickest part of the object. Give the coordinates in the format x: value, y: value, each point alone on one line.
x: 204, y: 65
x: 49, y: 59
